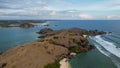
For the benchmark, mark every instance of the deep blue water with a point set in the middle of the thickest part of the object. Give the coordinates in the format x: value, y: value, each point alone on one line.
x: 106, y: 54
x: 106, y: 25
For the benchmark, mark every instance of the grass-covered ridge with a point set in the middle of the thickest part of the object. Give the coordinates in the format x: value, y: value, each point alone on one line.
x: 56, y: 64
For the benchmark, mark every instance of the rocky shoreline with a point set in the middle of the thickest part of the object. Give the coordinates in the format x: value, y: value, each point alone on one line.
x: 53, y: 46
x: 74, y: 39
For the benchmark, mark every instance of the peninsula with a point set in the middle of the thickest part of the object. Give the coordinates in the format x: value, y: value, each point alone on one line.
x: 20, y: 23
x: 53, y: 46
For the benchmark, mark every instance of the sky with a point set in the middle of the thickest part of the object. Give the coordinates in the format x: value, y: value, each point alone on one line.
x: 60, y: 9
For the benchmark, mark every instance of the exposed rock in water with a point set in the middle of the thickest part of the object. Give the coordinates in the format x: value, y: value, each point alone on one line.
x: 96, y: 32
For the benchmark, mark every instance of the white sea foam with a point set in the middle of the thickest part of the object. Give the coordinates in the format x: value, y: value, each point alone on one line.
x: 101, y: 50
x: 116, y: 62
x: 109, y: 46
x: 43, y: 24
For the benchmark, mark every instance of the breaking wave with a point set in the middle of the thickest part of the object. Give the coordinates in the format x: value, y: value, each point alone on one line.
x: 107, y: 48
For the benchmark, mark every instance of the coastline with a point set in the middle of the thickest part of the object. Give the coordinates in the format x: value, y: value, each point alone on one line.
x: 55, y: 45
x: 5, y: 32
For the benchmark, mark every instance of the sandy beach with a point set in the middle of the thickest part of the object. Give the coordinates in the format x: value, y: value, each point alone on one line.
x: 64, y: 63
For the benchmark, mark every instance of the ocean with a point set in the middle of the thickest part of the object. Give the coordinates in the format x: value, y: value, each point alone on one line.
x: 105, y: 55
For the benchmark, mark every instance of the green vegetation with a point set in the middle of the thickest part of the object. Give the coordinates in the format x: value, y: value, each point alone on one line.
x: 13, y: 66
x: 75, y: 49
x: 53, y: 42
x: 74, y: 41
x: 3, y: 65
x: 41, y: 40
x: 55, y: 37
x: 56, y: 64
x: 1, y: 53
x: 71, y: 34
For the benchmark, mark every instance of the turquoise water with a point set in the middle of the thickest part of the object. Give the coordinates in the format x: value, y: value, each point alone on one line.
x: 91, y: 59
x: 105, y: 55
x: 12, y: 36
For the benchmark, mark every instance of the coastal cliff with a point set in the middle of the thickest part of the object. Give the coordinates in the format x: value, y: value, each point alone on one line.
x: 52, y: 46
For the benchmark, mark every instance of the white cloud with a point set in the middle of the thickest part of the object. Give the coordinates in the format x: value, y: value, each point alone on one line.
x: 86, y: 16
x: 58, y: 9
x: 113, y: 17
x: 53, y: 13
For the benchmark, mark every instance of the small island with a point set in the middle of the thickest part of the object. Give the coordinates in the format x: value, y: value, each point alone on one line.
x: 26, y: 25
x: 50, y: 50
x: 20, y: 23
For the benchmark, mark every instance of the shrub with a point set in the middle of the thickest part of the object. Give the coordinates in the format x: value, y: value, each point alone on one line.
x: 74, y: 41
x: 1, y: 53
x: 56, y: 64
x: 41, y: 40
x: 75, y: 49
x: 53, y: 42
x: 3, y: 65
x: 55, y: 37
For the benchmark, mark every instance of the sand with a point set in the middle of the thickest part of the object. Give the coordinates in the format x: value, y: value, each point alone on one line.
x: 64, y: 63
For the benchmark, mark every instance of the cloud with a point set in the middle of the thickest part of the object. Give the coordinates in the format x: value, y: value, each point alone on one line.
x: 60, y: 9
x: 23, y: 4
x: 53, y: 13
x: 113, y: 17
x: 86, y: 16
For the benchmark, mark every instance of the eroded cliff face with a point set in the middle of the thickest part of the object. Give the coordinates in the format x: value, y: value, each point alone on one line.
x: 52, y: 46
